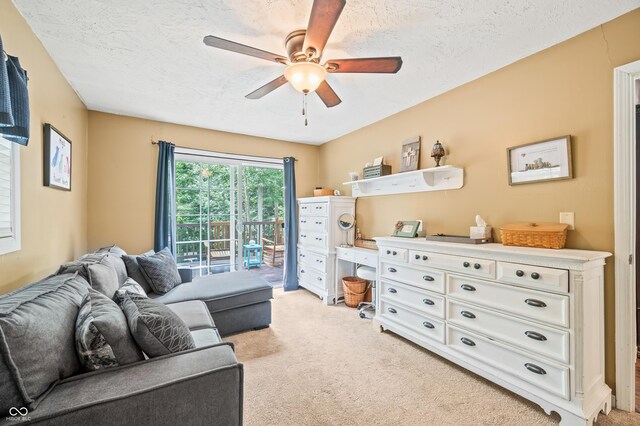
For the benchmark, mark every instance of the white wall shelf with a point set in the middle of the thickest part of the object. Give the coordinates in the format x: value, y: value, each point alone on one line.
x: 433, y: 179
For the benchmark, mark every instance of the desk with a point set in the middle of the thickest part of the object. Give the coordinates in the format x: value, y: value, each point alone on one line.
x: 347, y: 259
x: 248, y: 250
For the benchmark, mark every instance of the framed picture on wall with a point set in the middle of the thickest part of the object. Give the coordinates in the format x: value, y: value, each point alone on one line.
x: 57, y: 159
x: 542, y: 161
x: 410, y: 155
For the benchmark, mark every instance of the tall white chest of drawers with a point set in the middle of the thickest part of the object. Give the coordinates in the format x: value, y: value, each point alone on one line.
x: 530, y: 320
x: 318, y: 236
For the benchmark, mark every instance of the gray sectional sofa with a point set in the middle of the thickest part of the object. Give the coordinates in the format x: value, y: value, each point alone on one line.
x: 40, y: 369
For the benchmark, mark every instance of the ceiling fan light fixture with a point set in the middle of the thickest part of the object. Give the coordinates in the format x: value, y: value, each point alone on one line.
x: 305, y: 77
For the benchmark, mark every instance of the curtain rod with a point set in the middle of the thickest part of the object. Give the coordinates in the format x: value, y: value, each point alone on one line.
x: 224, y: 153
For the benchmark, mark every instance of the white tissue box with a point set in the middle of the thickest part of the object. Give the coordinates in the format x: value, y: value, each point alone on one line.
x: 480, y: 232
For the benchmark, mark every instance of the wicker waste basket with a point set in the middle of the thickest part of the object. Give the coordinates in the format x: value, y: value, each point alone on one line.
x: 354, y: 289
x: 544, y: 235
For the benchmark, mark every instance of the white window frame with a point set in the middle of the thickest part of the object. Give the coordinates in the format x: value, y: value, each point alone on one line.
x: 13, y: 242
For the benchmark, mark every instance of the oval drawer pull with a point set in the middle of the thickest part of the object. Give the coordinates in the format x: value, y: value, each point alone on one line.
x: 392, y: 290
x: 535, y: 369
x: 468, y: 287
x: 393, y: 311
x: 392, y: 270
x: 520, y: 273
x: 428, y: 278
x: 535, y: 275
x: 428, y: 302
x: 467, y: 314
x: 467, y: 342
x: 477, y: 266
x: 535, y: 336
x: 466, y: 264
x: 535, y: 303
x: 428, y: 324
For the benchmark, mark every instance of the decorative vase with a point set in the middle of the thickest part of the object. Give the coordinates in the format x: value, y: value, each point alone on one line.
x: 437, y: 152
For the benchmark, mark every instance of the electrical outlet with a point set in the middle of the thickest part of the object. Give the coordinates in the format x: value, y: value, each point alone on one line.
x: 569, y: 219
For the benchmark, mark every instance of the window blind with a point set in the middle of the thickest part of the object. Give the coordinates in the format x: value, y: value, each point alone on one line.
x: 6, y: 197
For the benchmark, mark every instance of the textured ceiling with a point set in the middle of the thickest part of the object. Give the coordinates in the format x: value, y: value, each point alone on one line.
x: 147, y: 59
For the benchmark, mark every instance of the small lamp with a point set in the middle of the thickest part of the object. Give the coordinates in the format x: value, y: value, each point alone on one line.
x: 437, y: 152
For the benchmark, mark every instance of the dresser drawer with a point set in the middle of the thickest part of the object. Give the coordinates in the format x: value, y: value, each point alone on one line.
x: 423, y: 325
x: 313, y: 260
x: 313, y: 209
x: 317, y: 279
x: 545, y: 375
x: 346, y: 254
x: 482, y: 268
x: 369, y: 259
x: 421, y: 300
x: 313, y: 223
x: 531, y: 304
x: 396, y: 254
x: 423, y: 278
x: 550, y: 279
x: 313, y: 239
x: 550, y: 342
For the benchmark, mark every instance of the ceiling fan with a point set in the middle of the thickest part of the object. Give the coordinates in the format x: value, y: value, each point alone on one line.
x: 304, y: 51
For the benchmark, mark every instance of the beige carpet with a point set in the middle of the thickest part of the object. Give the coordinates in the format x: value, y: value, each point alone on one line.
x: 322, y: 365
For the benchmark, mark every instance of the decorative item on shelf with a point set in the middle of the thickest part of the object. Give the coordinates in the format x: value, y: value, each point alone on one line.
x: 406, y: 228
x: 462, y: 239
x: 378, y: 161
x: 437, y: 152
x: 353, y: 176
x: 410, y: 156
x: 365, y: 243
x: 540, y: 161
x: 319, y: 192
x: 376, y: 171
x: 481, y: 231
x: 528, y: 234
x: 57, y: 159
x: 346, y: 221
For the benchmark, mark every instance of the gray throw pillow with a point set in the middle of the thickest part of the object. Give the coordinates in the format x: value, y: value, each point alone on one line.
x: 116, y: 258
x: 132, y: 287
x: 102, y: 334
x: 97, y: 269
x: 160, y: 270
x: 113, y: 249
x: 134, y: 271
x: 37, y: 339
x: 156, y: 328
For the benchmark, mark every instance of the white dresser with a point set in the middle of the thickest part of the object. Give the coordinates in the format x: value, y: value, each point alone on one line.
x: 318, y: 235
x: 530, y: 320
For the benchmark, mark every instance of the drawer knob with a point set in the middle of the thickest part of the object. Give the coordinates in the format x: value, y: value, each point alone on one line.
x: 302, y: 271
x: 535, y: 303
x: 467, y: 314
x: 428, y: 278
x: 468, y: 287
x: 520, y: 273
x: 395, y: 252
x: 393, y: 311
x: 319, y: 279
x: 466, y: 264
x: 535, y: 369
x: 303, y: 221
x: 428, y: 324
x: 388, y: 251
x: 392, y: 290
x: 467, y: 342
x: 535, y: 275
x: 417, y: 257
x: 477, y: 266
x: 428, y: 302
x: 535, y: 336
x: 425, y: 257
x: 392, y: 270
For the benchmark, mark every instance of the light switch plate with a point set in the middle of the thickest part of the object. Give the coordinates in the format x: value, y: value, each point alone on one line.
x: 569, y: 219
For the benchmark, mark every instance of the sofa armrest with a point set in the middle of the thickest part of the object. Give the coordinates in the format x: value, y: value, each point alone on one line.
x: 186, y: 274
x: 200, y: 386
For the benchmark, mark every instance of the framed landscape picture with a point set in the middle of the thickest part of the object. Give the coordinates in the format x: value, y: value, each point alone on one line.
x: 540, y: 161
x: 57, y: 159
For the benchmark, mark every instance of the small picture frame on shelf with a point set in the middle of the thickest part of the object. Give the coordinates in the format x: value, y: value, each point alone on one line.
x: 542, y: 161
x: 406, y: 228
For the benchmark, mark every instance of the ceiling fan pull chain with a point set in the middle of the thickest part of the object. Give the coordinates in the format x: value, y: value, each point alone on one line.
x: 305, y: 109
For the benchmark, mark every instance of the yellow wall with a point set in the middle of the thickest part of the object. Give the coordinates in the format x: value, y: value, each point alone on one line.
x: 54, y: 222
x: 123, y: 172
x: 566, y: 89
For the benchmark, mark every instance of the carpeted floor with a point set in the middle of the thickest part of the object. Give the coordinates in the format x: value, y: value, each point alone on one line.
x: 322, y: 365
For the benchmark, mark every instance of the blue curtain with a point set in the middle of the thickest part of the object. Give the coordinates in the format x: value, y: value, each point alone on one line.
x: 14, y: 99
x: 290, y: 226
x: 164, y: 234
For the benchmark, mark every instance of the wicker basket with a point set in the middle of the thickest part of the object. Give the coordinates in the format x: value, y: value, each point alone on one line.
x: 544, y: 235
x: 323, y: 192
x: 354, y: 289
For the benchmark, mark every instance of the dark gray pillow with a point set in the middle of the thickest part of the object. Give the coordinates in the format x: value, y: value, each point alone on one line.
x: 37, y: 339
x: 102, y: 334
x: 160, y: 270
x: 156, y: 328
x: 134, y: 271
x: 98, y: 270
x: 132, y: 287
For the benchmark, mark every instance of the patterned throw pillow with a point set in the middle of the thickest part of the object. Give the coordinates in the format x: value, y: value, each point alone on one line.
x: 129, y: 286
x: 160, y: 270
x: 156, y: 328
x: 134, y: 271
x: 102, y: 334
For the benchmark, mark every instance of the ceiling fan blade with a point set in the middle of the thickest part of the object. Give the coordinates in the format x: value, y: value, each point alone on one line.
x: 389, y: 65
x: 324, y: 15
x: 267, y: 88
x: 327, y: 95
x: 232, y: 46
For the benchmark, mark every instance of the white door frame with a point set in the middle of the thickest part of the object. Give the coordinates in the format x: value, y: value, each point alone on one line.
x: 624, y: 190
